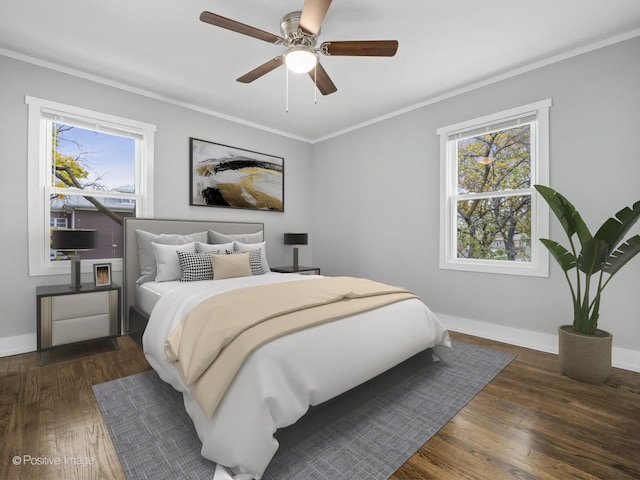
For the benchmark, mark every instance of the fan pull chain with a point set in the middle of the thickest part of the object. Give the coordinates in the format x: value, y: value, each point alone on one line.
x: 315, y: 84
x: 286, y: 105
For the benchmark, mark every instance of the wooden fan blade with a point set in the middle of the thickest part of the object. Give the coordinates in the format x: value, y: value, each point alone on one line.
x: 223, y: 22
x: 322, y: 80
x: 313, y: 13
x: 261, y: 70
x: 361, y: 48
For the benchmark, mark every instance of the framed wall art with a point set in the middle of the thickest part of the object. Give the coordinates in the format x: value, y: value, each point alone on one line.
x: 225, y: 176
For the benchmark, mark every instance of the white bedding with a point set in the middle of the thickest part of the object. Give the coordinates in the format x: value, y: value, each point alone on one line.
x: 148, y: 294
x: 281, y: 379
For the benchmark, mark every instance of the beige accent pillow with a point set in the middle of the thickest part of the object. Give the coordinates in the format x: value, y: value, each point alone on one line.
x: 229, y: 266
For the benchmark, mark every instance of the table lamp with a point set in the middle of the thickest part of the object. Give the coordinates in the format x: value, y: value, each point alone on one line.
x: 73, y: 241
x: 296, y: 239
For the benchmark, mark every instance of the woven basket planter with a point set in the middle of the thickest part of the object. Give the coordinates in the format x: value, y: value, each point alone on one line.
x: 586, y: 358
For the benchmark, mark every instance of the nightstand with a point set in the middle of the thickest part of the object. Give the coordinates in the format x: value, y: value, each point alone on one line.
x: 67, y: 315
x: 300, y: 270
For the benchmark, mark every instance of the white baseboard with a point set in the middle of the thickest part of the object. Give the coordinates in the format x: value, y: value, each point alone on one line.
x: 621, y: 357
x: 18, y: 344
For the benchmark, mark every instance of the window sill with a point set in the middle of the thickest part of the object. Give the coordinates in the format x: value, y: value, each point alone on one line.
x: 487, y: 266
x: 63, y: 267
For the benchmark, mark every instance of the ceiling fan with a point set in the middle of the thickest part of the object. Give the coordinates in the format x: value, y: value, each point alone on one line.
x: 300, y: 31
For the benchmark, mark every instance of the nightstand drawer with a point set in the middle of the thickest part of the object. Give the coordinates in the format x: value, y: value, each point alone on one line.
x: 68, y: 315
x: 78, y: 329
x: 79, y: 305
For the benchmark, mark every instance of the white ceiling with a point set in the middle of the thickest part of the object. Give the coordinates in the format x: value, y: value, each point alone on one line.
x: 160, y: 47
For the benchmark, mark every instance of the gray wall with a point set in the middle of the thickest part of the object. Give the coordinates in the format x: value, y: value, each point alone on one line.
x: 174, y: 127
x: 376, y: 193
x: 370, y: 197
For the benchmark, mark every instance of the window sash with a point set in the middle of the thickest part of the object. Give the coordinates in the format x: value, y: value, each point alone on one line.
x: 533, y: 149
x: 493, y: 194
x: 91, y: 193
x: 458, y: 228
x: 48, y: 126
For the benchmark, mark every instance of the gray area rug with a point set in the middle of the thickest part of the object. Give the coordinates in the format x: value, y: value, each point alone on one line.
x: 155, y: 438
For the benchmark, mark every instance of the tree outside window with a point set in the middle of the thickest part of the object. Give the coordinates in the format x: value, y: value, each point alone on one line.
x: 493, y: 225
x: 92, y: 185
x: 490, y: 219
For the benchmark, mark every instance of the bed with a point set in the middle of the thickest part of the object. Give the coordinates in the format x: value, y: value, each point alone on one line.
x: 279, y: 380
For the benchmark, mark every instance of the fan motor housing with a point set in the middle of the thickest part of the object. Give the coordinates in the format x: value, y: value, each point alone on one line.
x: 289, y: 27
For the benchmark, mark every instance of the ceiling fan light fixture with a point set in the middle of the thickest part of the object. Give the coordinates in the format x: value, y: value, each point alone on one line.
x: 301, y: 60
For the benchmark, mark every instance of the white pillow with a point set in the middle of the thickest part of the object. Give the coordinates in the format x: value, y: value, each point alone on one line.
x: 230, y: 266
x: 167, y: 262
x: 217, y: 237
x: 146, y: 256
x: 248, y: 247
x: 209, y: 248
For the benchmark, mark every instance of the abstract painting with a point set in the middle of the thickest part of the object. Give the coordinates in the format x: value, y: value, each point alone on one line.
x: 225, y: 176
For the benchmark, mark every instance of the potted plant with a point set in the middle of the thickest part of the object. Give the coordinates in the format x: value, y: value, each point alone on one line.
x: 585, y: 351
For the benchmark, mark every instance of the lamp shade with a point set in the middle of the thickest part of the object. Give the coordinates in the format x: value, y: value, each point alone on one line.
x: 296, y: 238
x: 74, y: 239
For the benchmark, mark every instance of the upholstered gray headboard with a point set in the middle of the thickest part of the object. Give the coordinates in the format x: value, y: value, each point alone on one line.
x: 131, y: 262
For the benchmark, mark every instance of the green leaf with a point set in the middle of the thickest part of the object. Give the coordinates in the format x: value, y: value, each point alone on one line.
x: 622, y: 255
x: 566, y: 214
x: 614, y: 229
x: 593, y: 256
x: 564, y: 257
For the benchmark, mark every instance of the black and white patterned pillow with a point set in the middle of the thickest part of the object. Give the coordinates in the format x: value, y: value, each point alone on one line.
x: 195, y: 266
x: 255, y: 260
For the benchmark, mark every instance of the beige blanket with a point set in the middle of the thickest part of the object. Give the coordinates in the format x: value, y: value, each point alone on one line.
x: 212, y: 342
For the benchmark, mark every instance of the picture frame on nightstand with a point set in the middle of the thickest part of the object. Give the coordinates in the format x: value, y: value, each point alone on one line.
x: 102, y: 274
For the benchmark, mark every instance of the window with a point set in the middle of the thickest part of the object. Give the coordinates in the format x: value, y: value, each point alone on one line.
x: 490, y: 216
x: 60, y: 222
x: 86, y: 170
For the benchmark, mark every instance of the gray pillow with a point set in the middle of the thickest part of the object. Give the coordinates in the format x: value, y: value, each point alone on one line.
x: 217, y: 237
x: 248, y: 247
x: 209, y: 248
x: 145, y: 249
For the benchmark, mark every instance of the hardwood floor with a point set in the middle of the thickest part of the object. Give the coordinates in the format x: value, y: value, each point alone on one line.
x: 50, y: 414
x: 529, y: 422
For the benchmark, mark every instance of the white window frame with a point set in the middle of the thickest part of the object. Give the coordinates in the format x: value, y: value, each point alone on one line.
x: 41, y: 112
x: 539, y: 265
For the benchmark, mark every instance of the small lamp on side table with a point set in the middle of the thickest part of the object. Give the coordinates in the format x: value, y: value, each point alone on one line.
x: 73, y: 241
x: 296, y: 239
